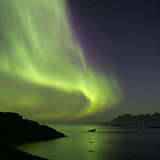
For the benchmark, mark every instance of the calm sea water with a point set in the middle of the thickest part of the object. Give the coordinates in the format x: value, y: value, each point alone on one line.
x: 107, y: 143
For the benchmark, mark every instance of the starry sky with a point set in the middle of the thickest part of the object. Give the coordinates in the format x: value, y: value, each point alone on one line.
x: 44, y: 72
x: 79, y: 60
x: 123, y: 37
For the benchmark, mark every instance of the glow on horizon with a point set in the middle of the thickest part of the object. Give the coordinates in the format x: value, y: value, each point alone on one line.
x: 43, y: 70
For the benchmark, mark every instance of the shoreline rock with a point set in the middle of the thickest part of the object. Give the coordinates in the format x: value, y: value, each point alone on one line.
x: 16, y: 130
x: 9, y: 153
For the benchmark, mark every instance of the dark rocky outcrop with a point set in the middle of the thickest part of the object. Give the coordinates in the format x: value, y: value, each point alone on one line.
x: 14, y: 130
x: 8, y: 153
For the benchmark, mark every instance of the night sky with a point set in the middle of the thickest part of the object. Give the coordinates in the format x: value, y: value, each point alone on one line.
x: 123, y: 37
x: 79, y: 60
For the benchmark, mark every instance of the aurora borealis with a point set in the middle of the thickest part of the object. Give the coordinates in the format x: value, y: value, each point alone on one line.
x: 43, y: 69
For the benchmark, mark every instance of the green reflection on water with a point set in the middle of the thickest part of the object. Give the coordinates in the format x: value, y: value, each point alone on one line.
x: 78, y: 145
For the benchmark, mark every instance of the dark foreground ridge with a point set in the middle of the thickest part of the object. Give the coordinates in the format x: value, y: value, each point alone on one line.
x: 15, y: 130
x: 8, y: 153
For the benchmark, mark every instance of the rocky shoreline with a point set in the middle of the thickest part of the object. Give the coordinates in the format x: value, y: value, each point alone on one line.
x: 15, y: 130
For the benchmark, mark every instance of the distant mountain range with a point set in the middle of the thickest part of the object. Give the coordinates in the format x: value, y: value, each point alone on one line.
x: 147, y: 118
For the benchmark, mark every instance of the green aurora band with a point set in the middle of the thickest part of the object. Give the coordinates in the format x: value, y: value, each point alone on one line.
x: 43, y: 73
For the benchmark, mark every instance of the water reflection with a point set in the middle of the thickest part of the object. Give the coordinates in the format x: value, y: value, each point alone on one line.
x: 107, y: 143
x: 79, y: 145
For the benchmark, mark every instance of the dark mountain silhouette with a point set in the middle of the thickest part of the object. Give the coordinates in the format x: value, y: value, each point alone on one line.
x: 147, y: 118
x: 14, y: 130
